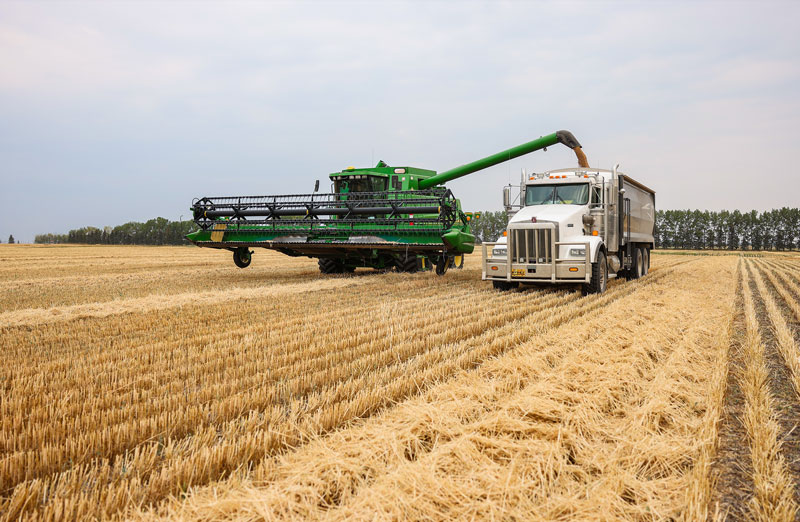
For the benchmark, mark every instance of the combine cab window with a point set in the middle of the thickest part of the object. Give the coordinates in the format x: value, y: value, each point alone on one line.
x: 566, y: 194
x: 361, y: 184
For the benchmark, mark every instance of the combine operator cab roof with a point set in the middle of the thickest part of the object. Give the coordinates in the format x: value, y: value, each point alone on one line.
x: 379, y: 177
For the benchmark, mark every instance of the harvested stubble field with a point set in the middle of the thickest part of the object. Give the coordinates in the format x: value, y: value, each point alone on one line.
x: 148, y: 383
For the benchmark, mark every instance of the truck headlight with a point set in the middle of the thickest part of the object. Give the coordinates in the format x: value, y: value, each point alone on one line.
x: 577, y: 252
x: 499, y: 252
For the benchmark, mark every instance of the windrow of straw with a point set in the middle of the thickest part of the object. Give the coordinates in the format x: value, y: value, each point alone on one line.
x: 170, y: 384
x: 136, y: 406
x: 787, y: 346
x: 773, y: 499
x: 608, y: 415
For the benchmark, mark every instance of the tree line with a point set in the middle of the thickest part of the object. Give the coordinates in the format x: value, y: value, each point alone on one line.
x: 777, y: 229
x: 158, y: 231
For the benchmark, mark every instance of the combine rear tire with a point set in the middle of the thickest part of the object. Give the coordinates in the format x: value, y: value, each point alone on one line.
x: 504, y: 285
x: 242, y: 257
x: 599, y: 276
x: 458, y: 261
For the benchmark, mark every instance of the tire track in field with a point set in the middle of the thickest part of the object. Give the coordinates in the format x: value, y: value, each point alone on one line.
x: 732, y: 468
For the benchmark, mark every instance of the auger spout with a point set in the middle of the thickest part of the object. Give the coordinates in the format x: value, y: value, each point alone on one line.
x: 564, y: 137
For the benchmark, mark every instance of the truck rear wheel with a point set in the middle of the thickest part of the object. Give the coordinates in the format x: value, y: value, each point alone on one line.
x: 635, y: 271
x: 645, y: 261
x: 599, y: 276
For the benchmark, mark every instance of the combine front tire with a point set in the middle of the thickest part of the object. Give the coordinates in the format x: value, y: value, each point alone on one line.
x: 329, y: 266
x: 599, y: 276
x: 409, y: 264
x: 334, y: 266
x: 242, y: 257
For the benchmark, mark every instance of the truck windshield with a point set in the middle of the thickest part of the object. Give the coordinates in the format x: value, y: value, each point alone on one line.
x: 567, y: 194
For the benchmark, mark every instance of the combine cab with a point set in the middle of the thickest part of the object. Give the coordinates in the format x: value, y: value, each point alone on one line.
x: 381, y: 217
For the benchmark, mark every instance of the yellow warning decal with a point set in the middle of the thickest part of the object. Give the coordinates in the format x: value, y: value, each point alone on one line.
x: 218, y: 233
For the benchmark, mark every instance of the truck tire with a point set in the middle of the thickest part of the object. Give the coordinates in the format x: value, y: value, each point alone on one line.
x: 504, y: 285
x: 639, y: 262
x: 645, y: 261
x: 635, y: 271
x: 599, y: 276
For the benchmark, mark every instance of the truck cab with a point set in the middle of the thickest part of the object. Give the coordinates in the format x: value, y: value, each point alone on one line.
x: 577, y: 225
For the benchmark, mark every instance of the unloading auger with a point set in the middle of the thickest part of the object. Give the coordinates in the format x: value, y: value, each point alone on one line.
x: 380, y: 217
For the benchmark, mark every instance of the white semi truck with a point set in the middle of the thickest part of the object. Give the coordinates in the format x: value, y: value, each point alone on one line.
x: 576, y: 225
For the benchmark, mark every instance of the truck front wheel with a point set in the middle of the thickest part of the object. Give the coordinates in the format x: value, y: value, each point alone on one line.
x: 599, y: 276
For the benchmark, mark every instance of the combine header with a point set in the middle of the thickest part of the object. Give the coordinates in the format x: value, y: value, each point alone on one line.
x: 380, y: 217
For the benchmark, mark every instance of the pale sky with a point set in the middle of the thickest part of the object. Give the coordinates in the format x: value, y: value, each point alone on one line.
x: 114, y: 111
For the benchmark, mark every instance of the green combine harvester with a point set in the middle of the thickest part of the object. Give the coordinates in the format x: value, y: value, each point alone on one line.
x: 382, y: 217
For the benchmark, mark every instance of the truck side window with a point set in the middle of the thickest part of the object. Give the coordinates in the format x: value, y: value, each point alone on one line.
x: 595, y: 196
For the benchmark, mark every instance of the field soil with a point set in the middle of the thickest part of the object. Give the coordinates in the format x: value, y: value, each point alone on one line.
x: 165, y: 383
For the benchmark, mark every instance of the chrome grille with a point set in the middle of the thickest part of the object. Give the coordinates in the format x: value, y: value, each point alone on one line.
x: 531, y: 246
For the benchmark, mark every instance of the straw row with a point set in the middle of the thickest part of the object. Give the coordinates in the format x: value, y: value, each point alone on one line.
x: 772, y: 482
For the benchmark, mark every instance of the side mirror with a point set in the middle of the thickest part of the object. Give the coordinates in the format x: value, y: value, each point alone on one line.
x: 507, y: 197
x: 316, y: 186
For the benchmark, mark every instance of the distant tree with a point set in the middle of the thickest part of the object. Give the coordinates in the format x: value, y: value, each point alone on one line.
x: 489, y: 226
x: 11, y: 239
